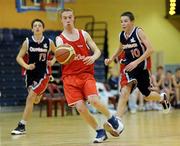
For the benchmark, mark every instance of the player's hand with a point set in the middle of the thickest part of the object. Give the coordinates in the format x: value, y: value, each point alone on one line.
x: 49, y: 63
x: 107, y: 61
x: 89, y: 60
x: 131, y: 66
x: 31, y: 66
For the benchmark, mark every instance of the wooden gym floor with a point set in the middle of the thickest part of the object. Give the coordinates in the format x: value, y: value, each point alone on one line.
x: 141, y: 129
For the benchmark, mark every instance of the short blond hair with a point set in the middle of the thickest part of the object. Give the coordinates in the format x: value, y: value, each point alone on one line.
x: 65, y: 10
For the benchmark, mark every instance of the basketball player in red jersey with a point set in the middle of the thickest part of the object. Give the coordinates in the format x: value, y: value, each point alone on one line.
x: 78, y: 76
x: 137, y: 51
x: 37, y: 48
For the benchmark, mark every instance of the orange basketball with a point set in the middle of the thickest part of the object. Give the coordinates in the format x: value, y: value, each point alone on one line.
x: 65, y: 54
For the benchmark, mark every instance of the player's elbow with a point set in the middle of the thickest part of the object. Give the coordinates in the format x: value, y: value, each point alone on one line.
x: 17, y: 59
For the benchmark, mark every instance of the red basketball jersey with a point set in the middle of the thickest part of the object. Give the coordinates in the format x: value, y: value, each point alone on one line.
x: 77, y: 66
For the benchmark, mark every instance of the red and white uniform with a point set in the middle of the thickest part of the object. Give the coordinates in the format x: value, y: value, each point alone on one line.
x: 78, y: 78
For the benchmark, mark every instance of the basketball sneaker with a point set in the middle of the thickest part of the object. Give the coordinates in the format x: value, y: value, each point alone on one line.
x: 165, y: 103
x: 19, y: 130
x: 101, y: 136
x: 114, y: 126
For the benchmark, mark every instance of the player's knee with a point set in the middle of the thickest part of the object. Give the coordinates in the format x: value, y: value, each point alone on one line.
x: 81, y: 108
x: 124, y: 96
x: 30, y: 98
x: 94, y: 101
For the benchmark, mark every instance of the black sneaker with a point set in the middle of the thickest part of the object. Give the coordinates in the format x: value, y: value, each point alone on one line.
x: 19, y: 130
x: 101, y: 136
x: 114, y: 126
x: 165, y: 103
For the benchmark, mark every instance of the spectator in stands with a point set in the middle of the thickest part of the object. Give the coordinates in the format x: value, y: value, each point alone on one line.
x: 78, y: 79
x: 160, y: 77
x: 168, y: 86
x: 37, y: 74
x: 113, y: 80
x: 176, y: 83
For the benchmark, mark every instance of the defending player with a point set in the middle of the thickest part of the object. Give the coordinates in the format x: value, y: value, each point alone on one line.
x: 137, y: 49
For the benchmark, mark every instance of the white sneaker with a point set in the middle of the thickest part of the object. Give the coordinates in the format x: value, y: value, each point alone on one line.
x: 114, y: 126
x: 165, y: 103
x: 101, y: 136
x: 19, y: 130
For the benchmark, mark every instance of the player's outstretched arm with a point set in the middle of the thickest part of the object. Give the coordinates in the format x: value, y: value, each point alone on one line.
x: 108, y: 61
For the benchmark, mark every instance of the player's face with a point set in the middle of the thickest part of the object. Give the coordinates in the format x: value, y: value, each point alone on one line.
x: 37, y: 28
x: 67, y: 19
x: 160, y: 71
x: 126, y: 23
x: 168, y: 75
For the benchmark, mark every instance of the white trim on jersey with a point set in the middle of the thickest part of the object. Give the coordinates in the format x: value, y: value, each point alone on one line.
x: 26, y: 80
x: 59, y: 41
x: 50, y: 49
x: 130, y: 33
x: 143, y: 48
x: 27, y: 41
x: 36, y: 40
x: 36, y: 86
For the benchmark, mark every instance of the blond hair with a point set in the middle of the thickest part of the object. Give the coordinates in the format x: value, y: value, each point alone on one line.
x: 65, y: 10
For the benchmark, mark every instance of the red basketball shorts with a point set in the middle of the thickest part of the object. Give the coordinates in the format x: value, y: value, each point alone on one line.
x: 40, y: 87
x: 79, y: 87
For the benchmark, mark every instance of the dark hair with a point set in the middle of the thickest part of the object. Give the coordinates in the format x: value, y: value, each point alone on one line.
x: 177, y: 69
x: 169, y: 71
x: 128, y: 14
x: 160, y: 67
x: 37, y: 20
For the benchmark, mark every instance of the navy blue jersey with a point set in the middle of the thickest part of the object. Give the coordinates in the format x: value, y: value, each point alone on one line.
x: 134, y: 48
x: 38, y: 54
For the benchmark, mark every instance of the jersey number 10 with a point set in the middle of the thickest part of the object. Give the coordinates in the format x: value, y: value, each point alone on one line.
x: 135, y: 53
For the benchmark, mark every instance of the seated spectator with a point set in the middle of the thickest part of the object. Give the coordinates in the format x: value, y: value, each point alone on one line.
x: 176, y: 83
x: 168, y: 84
x: 160, y: 77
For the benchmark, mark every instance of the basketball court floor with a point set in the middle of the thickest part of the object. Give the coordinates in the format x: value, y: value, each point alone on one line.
x: 141, y: 129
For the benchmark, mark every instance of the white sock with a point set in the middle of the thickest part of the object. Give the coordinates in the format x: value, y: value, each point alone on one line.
x: 23, y: 122
x: 110, y: 116
x: 162, y: 96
